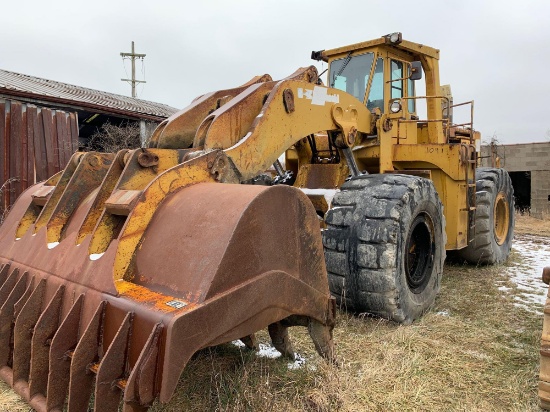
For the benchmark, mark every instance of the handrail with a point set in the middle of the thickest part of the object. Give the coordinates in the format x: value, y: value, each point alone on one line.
x: 445, y: 110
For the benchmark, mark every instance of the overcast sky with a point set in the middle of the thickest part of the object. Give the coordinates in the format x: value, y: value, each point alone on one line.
x: 495, y: 52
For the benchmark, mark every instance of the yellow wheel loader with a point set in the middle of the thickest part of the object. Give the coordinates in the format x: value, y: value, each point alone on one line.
x: 118, y: 269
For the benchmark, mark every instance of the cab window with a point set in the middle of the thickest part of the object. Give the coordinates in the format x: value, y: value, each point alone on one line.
x: 411, y: 93
x: 396, y: 85
x: 351, y: 74
x: 399, y: 71
x: 376, y: 94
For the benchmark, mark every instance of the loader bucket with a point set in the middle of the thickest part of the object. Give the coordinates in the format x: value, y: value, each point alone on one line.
x: 116, y: 271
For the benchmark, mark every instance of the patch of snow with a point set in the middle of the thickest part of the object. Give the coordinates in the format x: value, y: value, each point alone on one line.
x: 526, y: 273
x: 298, y: 363
x: 444, y: 312
x: 268, y: 351
x: 52, y: 245
x: 96, y: 256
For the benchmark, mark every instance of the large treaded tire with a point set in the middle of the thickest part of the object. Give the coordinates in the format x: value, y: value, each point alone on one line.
x: 372, y: 222
x: 494, y: 218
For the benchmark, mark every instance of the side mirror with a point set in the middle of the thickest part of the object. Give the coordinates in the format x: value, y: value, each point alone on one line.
x: 319, y: 55
x: 416, y: 70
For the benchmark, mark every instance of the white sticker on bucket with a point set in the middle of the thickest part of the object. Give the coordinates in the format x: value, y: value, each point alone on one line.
x: 176, y: 304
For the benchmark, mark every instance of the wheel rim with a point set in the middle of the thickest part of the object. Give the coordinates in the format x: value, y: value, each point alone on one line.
x: 501, y: 218
x: 420, y: 250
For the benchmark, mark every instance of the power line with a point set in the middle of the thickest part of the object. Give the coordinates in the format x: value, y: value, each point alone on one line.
x: 143, y: 76
x: 133, y: 56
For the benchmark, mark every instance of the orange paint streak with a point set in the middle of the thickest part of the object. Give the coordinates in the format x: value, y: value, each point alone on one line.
x: 147, y: 297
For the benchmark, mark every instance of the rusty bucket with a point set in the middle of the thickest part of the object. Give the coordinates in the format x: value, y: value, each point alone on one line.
x: 114, y: 273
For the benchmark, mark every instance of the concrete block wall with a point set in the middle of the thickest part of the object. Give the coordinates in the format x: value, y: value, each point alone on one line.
x: 520, y: 157
x: 540, y: 192
x: 527, y: 157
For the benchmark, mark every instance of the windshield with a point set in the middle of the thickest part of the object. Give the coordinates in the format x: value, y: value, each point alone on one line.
x: 351, y: 74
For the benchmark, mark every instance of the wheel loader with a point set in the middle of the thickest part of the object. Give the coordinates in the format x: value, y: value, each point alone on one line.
x: 118, y: 269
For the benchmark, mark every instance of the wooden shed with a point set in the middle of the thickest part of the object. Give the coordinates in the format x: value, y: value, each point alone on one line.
x: 43, y: 122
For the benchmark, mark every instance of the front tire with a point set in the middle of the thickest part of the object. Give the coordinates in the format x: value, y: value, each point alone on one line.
x: 494, y: 218
x: 385, y: 245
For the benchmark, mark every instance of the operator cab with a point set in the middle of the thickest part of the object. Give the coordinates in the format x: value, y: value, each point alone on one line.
x: 376, y: 73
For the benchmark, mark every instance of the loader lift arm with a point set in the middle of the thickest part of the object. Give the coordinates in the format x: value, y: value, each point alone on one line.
x: 293, y: 111
x: 282, y: 122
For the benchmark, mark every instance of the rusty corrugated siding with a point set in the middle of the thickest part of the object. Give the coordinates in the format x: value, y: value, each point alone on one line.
x: 35, y: 143
x: 21, y: 84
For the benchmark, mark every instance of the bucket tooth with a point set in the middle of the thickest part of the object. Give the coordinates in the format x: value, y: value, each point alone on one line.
x: 23, y: 299
x: 7, y: 322
x: 23, y: 332
x: 8, y: 284
x: 65, y: 340
x: 44, y: 331
x: 85, y: 354
x: 4, y: 270
x: 280, y: 339
x: 141, y: 385
x: 112, y: 369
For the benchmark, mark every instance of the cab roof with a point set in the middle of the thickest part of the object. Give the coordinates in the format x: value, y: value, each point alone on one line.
x: 404, y: 45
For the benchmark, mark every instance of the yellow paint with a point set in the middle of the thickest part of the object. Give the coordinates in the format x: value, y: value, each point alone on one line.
x: 404, y: 143
x: 193, y: 171
x: 275, y: 130
x: 501, y: 215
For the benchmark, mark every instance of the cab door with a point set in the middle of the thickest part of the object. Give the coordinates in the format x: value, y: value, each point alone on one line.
x: 401, y: 89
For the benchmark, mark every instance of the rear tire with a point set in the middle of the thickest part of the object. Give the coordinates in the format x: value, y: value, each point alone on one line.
x: 385, y: 245
x: 494, y: 218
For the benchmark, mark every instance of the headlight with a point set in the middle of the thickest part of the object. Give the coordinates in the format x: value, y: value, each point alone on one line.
x: 395, y: 107
x: 394, y: 38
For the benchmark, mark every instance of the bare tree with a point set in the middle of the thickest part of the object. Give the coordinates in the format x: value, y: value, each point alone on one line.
x: 3, y: 189
x: 111, y: 138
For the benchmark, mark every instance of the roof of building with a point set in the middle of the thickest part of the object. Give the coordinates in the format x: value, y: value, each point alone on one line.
x: 22, y: 85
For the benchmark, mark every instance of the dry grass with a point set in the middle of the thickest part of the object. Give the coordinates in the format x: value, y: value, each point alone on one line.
x: 10, y: 401
x: 474, y: 351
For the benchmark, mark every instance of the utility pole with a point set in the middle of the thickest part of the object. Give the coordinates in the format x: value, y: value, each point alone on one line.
x: 133, y: 56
